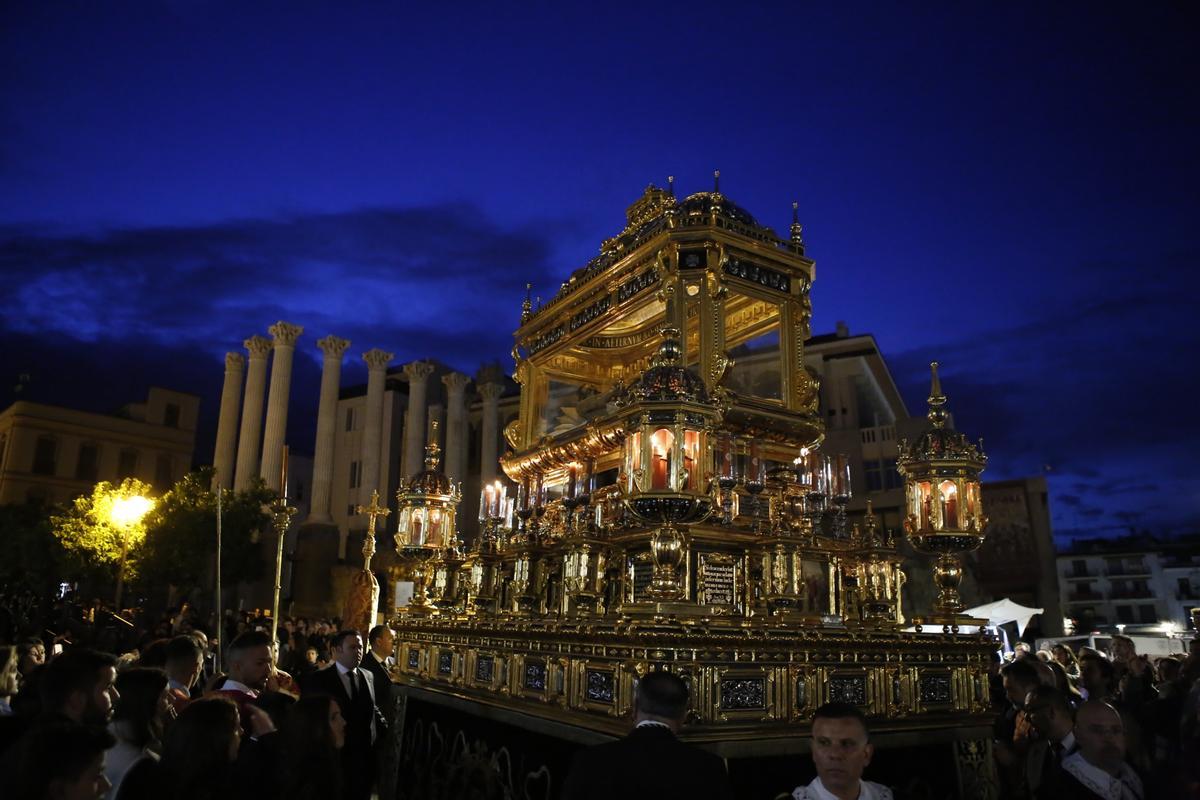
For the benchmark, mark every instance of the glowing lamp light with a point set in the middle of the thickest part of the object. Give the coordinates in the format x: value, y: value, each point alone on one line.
x: 129, y: 511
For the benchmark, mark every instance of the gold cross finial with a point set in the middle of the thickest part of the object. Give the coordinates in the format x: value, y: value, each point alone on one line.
x: 373, y: 512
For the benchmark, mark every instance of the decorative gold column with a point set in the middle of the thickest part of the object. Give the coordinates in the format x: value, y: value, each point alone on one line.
x: 227, y: 422
x: 250, y: 431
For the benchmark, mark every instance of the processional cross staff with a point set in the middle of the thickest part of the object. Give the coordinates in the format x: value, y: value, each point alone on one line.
x: 363, y: 599
x: 373, y: 512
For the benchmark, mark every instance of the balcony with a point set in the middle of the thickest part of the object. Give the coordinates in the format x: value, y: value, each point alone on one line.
x: 1127, y: 570
x: 1081, y: 574
x: 1084, y: 597
x: 1191, y: 594
x: 1131, y: 594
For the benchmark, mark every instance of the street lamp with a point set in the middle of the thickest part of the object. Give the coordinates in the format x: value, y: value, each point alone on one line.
x: 126, y: 514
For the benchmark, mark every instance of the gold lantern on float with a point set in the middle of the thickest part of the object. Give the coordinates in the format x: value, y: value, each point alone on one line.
x: 668, y: 459
x: 944, y: 512
x: 426, y: 527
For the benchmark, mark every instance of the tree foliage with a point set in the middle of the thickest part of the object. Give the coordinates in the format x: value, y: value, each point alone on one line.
x: 181, y: 535
x: 88, y: 534
x: 33, y: 557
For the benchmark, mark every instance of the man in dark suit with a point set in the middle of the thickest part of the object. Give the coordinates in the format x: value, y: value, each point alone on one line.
x: 650, y: 762
x: 1051, y: 716
x: 378, y: 661
x: 354, y: 689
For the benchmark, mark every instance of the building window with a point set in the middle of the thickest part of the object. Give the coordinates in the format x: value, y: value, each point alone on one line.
x: 171, y: 415
x: 881, y: 475
x: 163, y: 472
x: 355, y: 474
x: 349, y: 419
x: 45, y: 456
x: 1079, y: 568
x: 127, y: 463
x: 89, y: 460
x: 1147, y: 614
x: 1125, y: 614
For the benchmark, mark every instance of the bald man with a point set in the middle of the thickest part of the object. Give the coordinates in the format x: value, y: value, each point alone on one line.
x: 1098, y: 769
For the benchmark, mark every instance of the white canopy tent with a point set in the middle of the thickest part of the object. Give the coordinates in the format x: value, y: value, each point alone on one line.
x: 1003, y: 611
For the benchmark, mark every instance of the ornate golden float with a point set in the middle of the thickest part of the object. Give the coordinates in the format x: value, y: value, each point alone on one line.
x: 667, y: 510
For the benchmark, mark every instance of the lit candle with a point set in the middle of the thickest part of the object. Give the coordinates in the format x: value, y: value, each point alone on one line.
x: 572, y: 480
x: 754, y: 473
x: 725, y: 453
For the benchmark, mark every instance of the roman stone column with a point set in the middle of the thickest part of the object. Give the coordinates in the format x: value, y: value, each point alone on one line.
x: 331, y: 376
x: 227, y: 423
x: 377, y: 361
x: 418, y: 373
x: 252, y: 413
x: 285, y: 336
x: 456, y: 413
x: 489, y: 458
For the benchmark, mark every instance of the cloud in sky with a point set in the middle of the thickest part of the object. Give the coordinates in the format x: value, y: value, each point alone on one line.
x: 1090, y: 386
x: 413, y: 280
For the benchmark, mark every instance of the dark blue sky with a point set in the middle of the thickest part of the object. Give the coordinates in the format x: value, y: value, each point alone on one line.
x: 1007, y: 189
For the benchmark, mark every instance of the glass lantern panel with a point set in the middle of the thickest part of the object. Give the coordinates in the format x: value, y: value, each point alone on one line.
x: 948, y: 497
x: 417, y: 527
x: 924, y: 502
x: 691, y: 459
x: 402, y: 525
x: 662, y: 443
x: 633, y: 459
x: 436, y: 520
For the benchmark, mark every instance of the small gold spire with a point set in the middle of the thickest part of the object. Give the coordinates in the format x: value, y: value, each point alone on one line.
x: 937, y: 401
x: 671, y: 185
x: 797, y: 228
x: 717, y: 181
x: 432, y: 451
x: 527, y: 306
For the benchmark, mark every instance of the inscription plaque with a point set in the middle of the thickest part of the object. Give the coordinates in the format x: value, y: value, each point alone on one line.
x: 717, y: 582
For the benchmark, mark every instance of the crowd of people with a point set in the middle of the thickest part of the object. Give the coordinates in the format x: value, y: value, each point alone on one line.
x: 112, y: 706
x: 1086, y: 724
x: 95, y: 704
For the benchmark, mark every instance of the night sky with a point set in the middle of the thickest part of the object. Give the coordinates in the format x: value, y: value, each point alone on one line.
x: 1010, y: 190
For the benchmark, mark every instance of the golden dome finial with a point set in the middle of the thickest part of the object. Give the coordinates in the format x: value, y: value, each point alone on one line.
x: 671, y: 185
x: 432, y: 451
x: 527, y: 306
x: 717, y: 181
x: 797, y: 228
x: 937, y: 401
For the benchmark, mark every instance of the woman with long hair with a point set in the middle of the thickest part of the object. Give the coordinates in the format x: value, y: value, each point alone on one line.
x: 139, y: 721
x: 1064, y: 655
x: 312, y: 734
x: 198, y: 756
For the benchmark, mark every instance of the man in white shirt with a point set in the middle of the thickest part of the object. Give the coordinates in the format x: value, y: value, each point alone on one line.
x: 841, y: 750
x: 1098, y: 768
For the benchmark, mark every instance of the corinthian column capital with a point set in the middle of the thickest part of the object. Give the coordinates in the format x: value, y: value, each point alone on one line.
x: 257, y: 346
x: 490, y: 392
x: 285, y: 333
x: 418, y: 371
x: 455, y: 382
x: 234, y: 362
x: 333, y: 347
x: 377, y: 359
